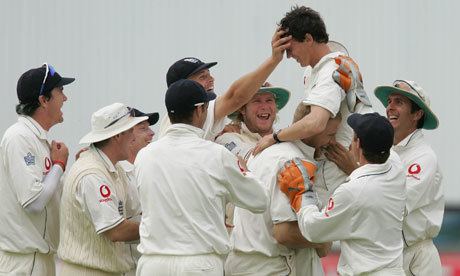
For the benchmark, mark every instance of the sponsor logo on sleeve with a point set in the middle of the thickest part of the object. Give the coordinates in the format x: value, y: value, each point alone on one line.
x: 230, y: 146
x: 29, y: 159
x: 105, y: 193
x: 330, y: 206
x: 47, y: 164
x: 414, y: 170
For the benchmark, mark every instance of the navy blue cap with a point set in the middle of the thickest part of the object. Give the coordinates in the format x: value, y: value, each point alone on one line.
x: 184, y: 95
x: 30, y: 83
x: 374, y: 131
x: 153, y: 117
x: 184, y: 68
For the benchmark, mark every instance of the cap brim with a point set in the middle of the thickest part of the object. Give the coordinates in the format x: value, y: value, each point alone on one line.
x: 353, y: 119
x: 281, y: 98
x: 203, y: 66
x: 153, y: 118
x: 383, y: 92
x: 94, y: 137
x: 64, y: 81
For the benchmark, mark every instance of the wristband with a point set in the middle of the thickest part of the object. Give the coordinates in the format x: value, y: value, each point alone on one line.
x: 275, y: 136
x: 59, y: 162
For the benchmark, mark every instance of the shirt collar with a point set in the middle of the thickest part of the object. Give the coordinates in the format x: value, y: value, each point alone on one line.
x: 245, y: 131
x: 126, y: 165
x: 308, y: 151
x: 181, y: 129
x: 105, y: 159
x: 34, y: 126
x: 370, y: 169
x: 414, y: 136
x: 324, y: 60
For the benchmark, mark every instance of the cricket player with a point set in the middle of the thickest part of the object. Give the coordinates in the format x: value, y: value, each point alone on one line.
x: 30, y: 172
x: 95, y: 205
x: 238, y: 94
x: 326, y: 91
x: 271, y: 243
x: 408, y: 109
x: 184, y: 184
x: 366, y: 212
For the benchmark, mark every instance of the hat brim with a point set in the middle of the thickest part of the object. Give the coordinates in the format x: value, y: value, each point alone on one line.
x: 203, y: 66
x: 64, y: 81
x: 281, y: 98
x: 95, y: 136
x: 383, y: 92
x: 153, y: 118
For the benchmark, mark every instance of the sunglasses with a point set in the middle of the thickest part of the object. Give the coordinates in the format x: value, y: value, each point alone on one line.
x: 49, y: 70
x: 130, y: 112
x: 401, y: 84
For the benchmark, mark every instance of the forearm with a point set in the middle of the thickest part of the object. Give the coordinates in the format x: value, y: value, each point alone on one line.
x: 50, y: 185
x: 125, y: 231
x: 305, y: 128
x: 289, y: 235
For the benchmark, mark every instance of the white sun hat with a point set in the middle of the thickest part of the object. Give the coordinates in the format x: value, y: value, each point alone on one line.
x: 110, y: 121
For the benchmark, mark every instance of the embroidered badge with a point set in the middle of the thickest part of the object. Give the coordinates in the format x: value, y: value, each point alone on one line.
x: 230, y: 146
x: 29, y: 159
x: 413, y: 170
x: 105, y: 193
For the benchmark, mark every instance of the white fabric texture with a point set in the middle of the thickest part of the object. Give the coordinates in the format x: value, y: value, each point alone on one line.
x: 366, y: 215
x: 24, y: 163
x: 184, y: 183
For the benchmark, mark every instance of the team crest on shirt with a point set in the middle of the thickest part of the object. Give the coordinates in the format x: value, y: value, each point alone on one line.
x: 105, y: 193
x: 330, y: 206
x: 29, y: 159
x: 414, y: 170
x: 230, y: 146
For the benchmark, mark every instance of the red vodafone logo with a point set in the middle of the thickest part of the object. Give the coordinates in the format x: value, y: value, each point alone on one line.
x: 330, y: 206
x: 414, y: 169
x: 47, y: 164
x: 105, y: 191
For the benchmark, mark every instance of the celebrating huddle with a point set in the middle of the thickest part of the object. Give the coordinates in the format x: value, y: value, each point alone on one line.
x: 221, y: 191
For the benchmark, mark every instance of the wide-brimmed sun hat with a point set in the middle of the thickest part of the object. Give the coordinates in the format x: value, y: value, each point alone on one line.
x: 110, y: 121
x: 415, y: 93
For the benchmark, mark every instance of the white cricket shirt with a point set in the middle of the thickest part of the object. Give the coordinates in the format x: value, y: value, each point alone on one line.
x: 184, y: 183
x: 366, y: 215
x: 24, y: 162
x: 425, y: 198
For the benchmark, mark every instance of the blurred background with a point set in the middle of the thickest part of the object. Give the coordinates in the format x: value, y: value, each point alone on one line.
x: 119, y: 51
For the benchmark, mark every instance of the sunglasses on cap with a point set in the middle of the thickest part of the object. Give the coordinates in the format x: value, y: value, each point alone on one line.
x: 48, y: 69
x: 405, y: 85
x: 130, y: 112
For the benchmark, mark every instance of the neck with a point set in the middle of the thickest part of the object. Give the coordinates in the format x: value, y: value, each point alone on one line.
x: 113, y: 153
x: 401, y: 135
x: 321, y: 49
x: 41, y: 119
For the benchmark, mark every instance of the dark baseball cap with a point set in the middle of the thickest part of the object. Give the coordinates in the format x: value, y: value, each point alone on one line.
x: 373, y: 130
x: 184, y: 95
x: 30, y: 84
x: 153, y: 117
x: 184, y: 68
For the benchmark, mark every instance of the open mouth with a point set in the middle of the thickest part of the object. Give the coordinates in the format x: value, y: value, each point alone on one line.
x: 263, y: 116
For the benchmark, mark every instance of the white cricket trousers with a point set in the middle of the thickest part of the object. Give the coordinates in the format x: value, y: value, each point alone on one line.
x: 206, y: 264
x: 422, y: 259
x: 240, y: 263
x: 78, y: 270
x: 34, y: 264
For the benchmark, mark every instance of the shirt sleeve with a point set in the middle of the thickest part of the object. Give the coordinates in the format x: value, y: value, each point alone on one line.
x: 325, y: 92
x: 212, y: 127
x: 333, y: 223
x: 244, y: 188
x: 422, y: 181
x: 99, y: 202
x: 25, y: 167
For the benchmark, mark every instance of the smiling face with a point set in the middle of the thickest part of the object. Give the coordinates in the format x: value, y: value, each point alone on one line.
x: 143, y: 135
x: 260, y: 113
x: 204, y: 78
x: 401, y: 117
